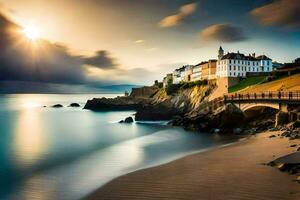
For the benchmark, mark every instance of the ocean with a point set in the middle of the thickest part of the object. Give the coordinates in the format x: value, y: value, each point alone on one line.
x: 66, y: 153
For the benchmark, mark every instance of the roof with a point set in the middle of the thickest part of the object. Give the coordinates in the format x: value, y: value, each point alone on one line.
x: 263, y: 57
x: 238, y: 56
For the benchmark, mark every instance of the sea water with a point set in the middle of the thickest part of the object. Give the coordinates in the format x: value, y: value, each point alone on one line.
x: 66, y: 153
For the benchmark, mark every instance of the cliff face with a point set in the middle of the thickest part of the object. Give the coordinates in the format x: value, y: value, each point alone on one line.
x: 185, y: 99
x: 153, y: 103
x: 165, y: 107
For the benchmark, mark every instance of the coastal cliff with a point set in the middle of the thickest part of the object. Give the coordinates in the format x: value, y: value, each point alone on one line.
x: 153, y: 103
x: 189, y: 105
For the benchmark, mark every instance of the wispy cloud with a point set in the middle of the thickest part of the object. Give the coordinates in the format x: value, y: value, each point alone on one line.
x: 176, y: 19
x: 283, y: 13
x: 140, y: 41
x: 222, y: 33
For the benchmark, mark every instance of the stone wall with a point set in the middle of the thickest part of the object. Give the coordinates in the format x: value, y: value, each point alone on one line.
x: 144, y: 92
x: 225, y: 83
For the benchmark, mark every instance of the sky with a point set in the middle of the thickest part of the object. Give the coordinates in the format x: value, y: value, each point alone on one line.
x: 103, y: 42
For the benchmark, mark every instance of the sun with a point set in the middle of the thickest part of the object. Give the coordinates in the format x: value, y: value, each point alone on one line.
x: 31, y: 32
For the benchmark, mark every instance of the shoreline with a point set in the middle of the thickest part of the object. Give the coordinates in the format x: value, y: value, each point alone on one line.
x: 228, y: 173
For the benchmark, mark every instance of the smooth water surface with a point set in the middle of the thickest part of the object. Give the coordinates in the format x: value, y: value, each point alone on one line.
x: 66, y: 153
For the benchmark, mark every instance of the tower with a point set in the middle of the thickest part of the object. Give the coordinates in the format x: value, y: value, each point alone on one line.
x: 221, y: 53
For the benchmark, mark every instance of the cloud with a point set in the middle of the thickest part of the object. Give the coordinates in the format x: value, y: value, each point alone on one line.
x: 179, y: 17
x: 283, y: 13
x: 139, y: 41
x: 40, y: 61
x: 222, y: 33
x: 101, y: 60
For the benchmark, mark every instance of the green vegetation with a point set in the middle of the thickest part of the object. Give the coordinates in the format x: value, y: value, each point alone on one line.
x: 173, y: 88
x: 246, y: 83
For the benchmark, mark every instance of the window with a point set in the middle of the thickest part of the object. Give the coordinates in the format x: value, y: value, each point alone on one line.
x: 234, y: 61
x: 233, y: 67
x: 238, y: 68
x: 229, y: 73
x: 233, y: 73
x: 229, y: 67
x: 230, y: 61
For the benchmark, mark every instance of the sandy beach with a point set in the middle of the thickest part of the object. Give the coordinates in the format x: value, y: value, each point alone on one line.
x: 232, y: 172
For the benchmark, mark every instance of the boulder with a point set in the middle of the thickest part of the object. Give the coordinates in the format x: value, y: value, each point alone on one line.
x: 156, y: 112
x: 281, y: 118
x: 237, y: 131
x: 74, y: 105
x: 57, y: 106
x: 231, y: 117
x: 294, y: 125
x: 128, y: 120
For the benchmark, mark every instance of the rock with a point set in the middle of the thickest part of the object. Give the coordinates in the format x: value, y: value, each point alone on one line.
x: 216, y: 130
x: 237, y: 131
x: 293, y: 125
x: 272, y: 164
x: 156, y: 112
x: 128, y: 120
x: 286, y: 134
x: 298, y: 179
x: 282, y: 167
x: 121, y: 121
x: 232, y: 117
x: 272, y: 136
x: 116, y: 104
x: 74, y: 105
x: 281, y: 118
x: 293, y: 145
x: 273, y: 129
x: 298, y: 149
x: 57, y: 106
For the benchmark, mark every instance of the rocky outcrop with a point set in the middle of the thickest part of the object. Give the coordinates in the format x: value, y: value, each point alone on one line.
x: 74, y: 105
x: 228, y: 117
x: 128, y: 120
x: 281, y: 118
x: 114, y: 104
x: 152, y: 103
x: 57, y: 106
x: 157, y: 112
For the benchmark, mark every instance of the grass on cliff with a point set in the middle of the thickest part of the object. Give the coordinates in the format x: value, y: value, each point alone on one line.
x: 246, y: 83
x: 173, y: 88
x: 290, y: 83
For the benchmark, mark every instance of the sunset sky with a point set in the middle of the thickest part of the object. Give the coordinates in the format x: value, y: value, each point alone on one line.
x: 138, y: 41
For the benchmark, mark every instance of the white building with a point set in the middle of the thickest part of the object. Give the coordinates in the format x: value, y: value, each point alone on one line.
x: 182, y: 74
x: 239, y: 65
x: 196, y: 73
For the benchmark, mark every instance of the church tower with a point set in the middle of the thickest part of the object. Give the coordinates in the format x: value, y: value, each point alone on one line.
x: 221, y: 53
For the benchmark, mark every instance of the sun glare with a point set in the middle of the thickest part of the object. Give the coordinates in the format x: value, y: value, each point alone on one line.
x: 31, y: 32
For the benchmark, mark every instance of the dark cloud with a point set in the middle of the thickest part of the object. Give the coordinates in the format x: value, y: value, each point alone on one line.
x: 222, y: 33
x: 284, y: 13
x: 41, y: 61
x: 101, y: 60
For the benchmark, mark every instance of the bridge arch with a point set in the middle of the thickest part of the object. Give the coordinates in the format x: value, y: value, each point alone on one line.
x: 248, y: 106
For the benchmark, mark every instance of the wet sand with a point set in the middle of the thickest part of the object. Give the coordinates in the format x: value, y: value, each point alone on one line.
x: 234, y: 172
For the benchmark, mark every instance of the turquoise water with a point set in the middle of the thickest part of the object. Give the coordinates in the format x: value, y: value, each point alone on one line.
x: 66, y: 153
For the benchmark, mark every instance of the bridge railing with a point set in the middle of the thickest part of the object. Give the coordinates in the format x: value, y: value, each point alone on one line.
x: 281, y: 95
x: 212, y: 105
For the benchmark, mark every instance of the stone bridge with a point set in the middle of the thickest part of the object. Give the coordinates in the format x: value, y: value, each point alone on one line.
x: 277, y: 100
